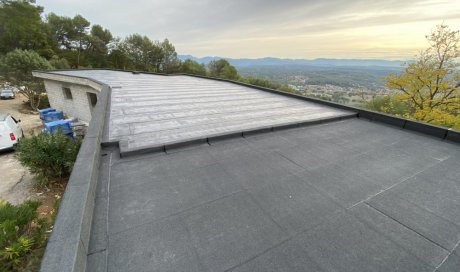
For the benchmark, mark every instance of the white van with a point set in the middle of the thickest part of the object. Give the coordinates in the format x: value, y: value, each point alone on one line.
x: 10, y: 131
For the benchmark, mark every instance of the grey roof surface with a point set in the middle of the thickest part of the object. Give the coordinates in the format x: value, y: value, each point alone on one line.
x: 352, y: 195
x: 153, y: 110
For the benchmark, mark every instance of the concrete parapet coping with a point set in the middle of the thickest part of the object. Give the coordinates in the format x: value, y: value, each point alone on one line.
x: 68, y: 245
x: 97, y: 85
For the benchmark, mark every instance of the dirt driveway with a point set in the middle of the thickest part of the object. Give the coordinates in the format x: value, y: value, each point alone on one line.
x: 16, y: 183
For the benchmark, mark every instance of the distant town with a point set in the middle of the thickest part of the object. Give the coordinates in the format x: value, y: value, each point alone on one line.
x: 353, y: 96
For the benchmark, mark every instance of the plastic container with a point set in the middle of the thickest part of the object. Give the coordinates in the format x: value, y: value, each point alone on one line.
x: 53, y: 116
x: 45, y: 111
x: 63, y: 125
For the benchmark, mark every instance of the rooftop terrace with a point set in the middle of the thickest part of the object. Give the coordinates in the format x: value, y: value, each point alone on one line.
x: 341, y: 195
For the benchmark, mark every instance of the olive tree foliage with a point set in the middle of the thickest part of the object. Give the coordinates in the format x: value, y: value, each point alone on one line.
x: 17, y: 66
x: 430, y: 85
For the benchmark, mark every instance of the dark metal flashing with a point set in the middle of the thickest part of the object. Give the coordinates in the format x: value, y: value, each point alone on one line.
x: 223, y: 137
x: 328, y: 120
x: 110, y: 144
x: 124, y: 152
x: 287, y: 126
x: 382, y: 118
x: 183, y: 145
x: 439, y: 132
x: 453, y: 136
x: 257, y: 131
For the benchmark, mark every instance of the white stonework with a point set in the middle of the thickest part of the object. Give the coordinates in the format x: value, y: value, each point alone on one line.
x: 79, y: 106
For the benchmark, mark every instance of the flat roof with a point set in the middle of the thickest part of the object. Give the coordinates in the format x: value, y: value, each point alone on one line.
x: 149, y: 111
x: 351, y: 195
x: 342, y: 195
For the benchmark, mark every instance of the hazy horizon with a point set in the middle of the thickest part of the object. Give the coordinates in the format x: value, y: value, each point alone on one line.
x: 295, y: 29
x: 287, y: 58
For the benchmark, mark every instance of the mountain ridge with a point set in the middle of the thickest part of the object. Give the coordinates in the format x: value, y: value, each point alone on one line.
x: 319, y: 62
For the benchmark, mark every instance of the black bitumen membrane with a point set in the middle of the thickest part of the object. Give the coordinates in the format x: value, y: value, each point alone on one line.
x: 350, y: 195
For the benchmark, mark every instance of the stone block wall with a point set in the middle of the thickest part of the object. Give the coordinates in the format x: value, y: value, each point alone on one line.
x: 78, y: 106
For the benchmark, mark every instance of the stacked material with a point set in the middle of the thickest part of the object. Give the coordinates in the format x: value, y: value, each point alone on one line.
x: 79, y: 128
x: 53, y: 116
x: 62, y: 126
x: 42, y: 112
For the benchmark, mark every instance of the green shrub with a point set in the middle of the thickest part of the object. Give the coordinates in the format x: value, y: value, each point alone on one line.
x: 44, y: 102
x: 50, y: 157
x: 21, y: 233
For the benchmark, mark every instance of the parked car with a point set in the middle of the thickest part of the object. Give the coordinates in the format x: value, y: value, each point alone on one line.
x: 10, y: 131
x: 7, y: 94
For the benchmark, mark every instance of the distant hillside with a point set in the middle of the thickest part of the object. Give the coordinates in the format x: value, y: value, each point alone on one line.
x: 352, y: 76
x: 322, y: 62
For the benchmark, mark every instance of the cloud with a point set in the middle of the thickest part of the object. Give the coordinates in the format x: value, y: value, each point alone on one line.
x: 290, y: 28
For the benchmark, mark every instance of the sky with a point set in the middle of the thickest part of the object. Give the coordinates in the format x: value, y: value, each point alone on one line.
x: 304, y: 29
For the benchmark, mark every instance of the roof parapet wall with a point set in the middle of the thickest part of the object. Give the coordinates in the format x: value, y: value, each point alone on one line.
x: 68, y: 245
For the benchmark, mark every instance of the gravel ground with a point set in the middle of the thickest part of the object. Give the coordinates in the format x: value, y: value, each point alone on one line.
x: 16, y: 183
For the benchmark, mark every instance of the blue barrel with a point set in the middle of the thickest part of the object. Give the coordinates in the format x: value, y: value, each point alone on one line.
x: 45, y: 111
x: 63, y: 125
x: 53, y: 116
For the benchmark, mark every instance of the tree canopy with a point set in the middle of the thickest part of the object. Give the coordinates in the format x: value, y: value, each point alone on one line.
x: 21, y: 26
x: 17, y: 66
x: 223, y: 69
x: 431, y: 84
x: 73, y: 42
x: 29, y: 42
x: 189, y: 66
